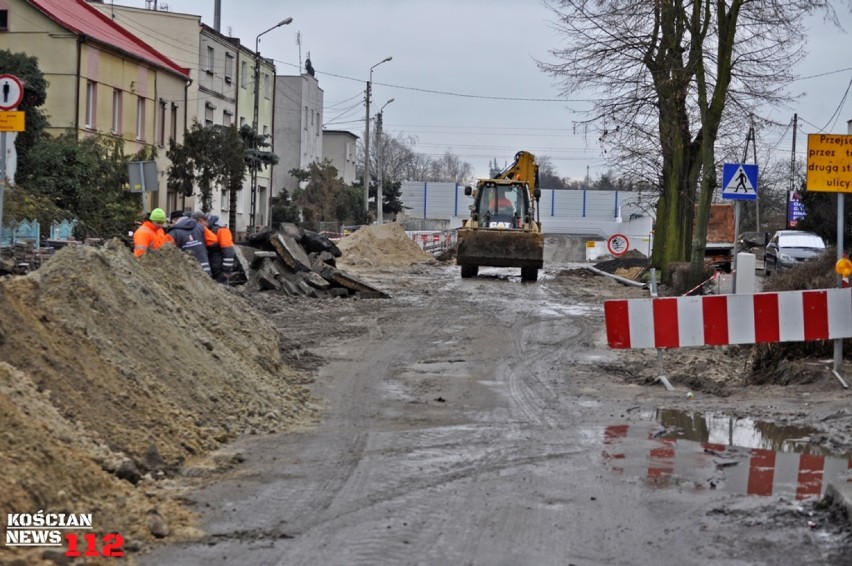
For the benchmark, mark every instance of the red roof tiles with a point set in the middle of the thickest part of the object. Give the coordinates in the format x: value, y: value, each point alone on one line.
x: 80, y: 18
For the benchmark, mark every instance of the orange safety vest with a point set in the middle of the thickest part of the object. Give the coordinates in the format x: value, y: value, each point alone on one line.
x: 226, y: 239
x: 210, y: 238
x: 149, y: 236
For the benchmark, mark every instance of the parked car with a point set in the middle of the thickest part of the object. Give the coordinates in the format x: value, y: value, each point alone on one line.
x: 788, y: 248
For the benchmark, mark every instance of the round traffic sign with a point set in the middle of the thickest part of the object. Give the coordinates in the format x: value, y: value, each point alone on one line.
x: 618, y: 244
x: 11, y: 92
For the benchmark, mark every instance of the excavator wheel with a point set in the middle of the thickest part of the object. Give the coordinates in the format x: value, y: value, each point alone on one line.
x: 529, y: 274
x: 469, y: 271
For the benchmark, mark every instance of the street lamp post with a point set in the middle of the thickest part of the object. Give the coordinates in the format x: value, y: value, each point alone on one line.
x: 367, y: 139
x: 254, y: 123
x: 379, y: 195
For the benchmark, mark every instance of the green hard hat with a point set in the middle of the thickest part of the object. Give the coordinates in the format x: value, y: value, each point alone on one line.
x: 157, y: 215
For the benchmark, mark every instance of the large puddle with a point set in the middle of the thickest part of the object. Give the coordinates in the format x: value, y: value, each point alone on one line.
x: 670, y: 448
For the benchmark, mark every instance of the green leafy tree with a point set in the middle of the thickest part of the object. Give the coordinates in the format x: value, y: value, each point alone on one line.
x: 257, y: 155
x: 84, y: 180
x: 283, y: 209
x: 196, y: 162
x: 326, y: 198
x: 391, y: 193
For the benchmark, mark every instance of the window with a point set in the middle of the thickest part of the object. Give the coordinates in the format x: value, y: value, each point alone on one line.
x: 4, y: 20
x: 265, y: 130
x: 174, y: 122
x: 161, y: 124
x: 267, y: 91
x: 242, y: 121
x: 244, y: 74
x: 210, y: 58
x: 227, y: 118
x: 208, y: 114
x: 240, y: 201
x: 91, y: 92
x: 140, y: 118
x: 229, y: 67
x: 306, y: 117
x: 318, y: 123
x: 116, y: 112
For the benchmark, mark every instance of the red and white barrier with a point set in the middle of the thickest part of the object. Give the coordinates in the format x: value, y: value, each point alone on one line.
x: 758, y: 471
x: 433, y: 242
x: 717, y: 320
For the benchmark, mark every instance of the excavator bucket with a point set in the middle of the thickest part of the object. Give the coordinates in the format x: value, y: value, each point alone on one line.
x: 500, y: 248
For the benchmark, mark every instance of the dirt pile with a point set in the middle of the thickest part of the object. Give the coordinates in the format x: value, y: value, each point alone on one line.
x: 117, y: 367
x: 384, y: 245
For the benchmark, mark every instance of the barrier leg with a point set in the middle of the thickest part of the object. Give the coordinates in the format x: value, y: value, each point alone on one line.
x: 662, y: 377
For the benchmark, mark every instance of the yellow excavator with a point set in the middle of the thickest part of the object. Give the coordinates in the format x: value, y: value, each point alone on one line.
x: 503, y: 229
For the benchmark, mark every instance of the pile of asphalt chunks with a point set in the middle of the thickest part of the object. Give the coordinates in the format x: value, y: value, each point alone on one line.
x: 295, y: 261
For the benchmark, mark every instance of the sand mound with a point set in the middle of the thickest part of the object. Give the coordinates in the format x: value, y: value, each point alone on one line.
x: 116, y: 362
x: 384, y: 245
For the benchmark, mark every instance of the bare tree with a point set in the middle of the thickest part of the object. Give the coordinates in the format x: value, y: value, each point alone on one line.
x: 401, y: 162
x: 547, y: 174
x: 672, y: 75
x: 449, y: 168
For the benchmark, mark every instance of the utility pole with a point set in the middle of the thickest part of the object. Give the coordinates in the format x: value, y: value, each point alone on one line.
x: 367, y: 139
x: 841, y: 209
x: 792, y: 171
x: 379, y: 195
x: 254, y: 124
x: 379, y: 190
x: 367, y: 152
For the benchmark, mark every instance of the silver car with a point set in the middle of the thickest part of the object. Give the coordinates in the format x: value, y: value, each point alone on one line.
x: 788, y: 248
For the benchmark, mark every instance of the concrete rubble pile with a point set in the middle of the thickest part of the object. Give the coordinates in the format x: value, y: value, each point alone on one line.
x: 295, y: 261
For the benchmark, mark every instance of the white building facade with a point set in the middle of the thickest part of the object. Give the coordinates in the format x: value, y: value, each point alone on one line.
x: 297, y: 129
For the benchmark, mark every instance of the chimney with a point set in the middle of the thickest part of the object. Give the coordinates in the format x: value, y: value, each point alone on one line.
x: 217, y: 15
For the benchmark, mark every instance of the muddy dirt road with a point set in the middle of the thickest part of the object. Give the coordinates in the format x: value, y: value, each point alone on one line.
x: 481, y: 422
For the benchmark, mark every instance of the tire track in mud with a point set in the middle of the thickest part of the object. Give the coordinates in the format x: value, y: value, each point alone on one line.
x: 540, y: 344
x: 401, y: 472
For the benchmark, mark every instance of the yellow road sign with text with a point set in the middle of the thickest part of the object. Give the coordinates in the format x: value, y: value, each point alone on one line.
x: 829, y: 163
x: 12, y: 121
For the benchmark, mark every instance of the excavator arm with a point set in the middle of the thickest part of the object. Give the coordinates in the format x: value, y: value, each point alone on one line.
x: 523, y: 169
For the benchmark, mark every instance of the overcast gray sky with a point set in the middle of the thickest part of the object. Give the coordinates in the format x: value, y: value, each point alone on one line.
x: 463, y: 75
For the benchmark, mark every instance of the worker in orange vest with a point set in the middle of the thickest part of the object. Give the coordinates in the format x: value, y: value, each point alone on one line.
x: 223, y: 265
x: 151, y: 235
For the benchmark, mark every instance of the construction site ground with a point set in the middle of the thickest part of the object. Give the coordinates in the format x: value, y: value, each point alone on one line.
x: 457, y: 422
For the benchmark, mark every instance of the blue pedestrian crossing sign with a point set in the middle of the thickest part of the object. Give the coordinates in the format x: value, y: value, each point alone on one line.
x: 739, y: 181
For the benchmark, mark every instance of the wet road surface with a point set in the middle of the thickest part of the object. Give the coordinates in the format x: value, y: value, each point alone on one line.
x: 469, y: 422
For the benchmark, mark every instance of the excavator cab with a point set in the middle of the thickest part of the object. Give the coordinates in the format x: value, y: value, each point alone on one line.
x: 502, y: 206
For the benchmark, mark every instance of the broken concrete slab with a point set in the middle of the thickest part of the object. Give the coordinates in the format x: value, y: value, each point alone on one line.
x: 335, y: 276
x: 318, y: 243
x: 279, y: 261
x: 315, y: 280
x: 291, y: 252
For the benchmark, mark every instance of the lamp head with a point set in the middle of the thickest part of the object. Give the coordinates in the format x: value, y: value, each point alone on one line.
x: 284, y: 22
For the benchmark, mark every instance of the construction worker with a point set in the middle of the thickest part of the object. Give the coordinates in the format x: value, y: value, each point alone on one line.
x: 222, y: 258
x: 191, y: 236
x: 151, y: 235
x: 500, y: 202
